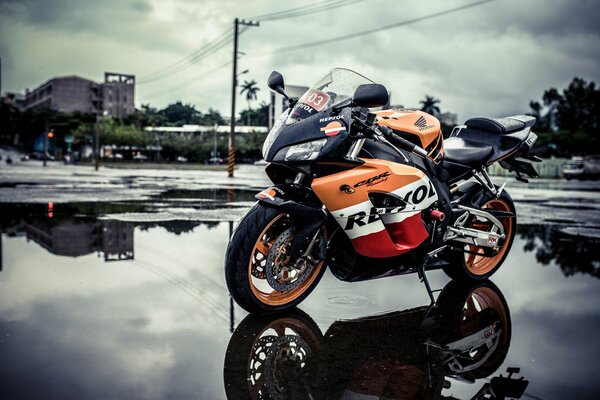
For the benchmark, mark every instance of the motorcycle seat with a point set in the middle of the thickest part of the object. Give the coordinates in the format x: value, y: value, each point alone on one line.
x: 501, y: 125
x: 460, y: 151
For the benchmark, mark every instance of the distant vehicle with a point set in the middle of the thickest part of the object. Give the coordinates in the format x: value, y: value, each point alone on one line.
x: 582, y: 168
x: 115, y: 156
x: 8, y: 160
x: 215, y: 160
x: 140, y: 157
x: 25, y: 157
x: 182, y: 159
x: 40, y: 156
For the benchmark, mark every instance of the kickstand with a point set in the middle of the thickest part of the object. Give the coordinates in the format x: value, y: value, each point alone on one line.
x: 423, y: 278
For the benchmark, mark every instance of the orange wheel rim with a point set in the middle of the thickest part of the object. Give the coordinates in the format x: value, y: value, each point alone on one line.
x: 480, y: 299
x: 275, y: 329
x: 259, y: 285
x: 481, y: 264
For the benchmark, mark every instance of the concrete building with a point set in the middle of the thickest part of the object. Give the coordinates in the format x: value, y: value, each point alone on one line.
x: 117, y: 94
x: 193, y: 131
x: 113, y: 97
x: 14, y: 99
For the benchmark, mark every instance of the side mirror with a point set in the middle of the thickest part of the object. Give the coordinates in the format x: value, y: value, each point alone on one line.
x: 370, y: 95
x: 275, y: 82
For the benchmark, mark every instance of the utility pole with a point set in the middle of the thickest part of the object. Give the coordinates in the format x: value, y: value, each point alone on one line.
x: 97, y: 142
x: 231, y: 154
x: 45, y: 145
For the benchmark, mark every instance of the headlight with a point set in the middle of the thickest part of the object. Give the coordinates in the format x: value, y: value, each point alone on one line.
x: 301, y: 152
x: 274, y: 133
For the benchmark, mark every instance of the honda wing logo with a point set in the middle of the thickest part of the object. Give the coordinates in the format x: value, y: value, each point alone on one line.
x: 421, y: 123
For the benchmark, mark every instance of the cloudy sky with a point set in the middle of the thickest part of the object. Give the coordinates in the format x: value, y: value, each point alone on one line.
x: 487, y: 57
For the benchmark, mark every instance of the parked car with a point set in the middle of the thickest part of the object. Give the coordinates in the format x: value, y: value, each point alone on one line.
x: 182, y: 159
x: 215, y: 160
x: 140, y: 157
x: 582, y: 168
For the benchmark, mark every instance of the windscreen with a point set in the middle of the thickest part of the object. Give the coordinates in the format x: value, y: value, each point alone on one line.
x: 338, y: 85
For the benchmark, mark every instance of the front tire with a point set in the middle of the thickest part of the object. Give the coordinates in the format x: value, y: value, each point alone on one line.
x: 260, y: 277
x: 479, y: 263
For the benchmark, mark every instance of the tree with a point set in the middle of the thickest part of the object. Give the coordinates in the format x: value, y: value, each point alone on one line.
x: 258, y: 117
x: 178, y: 114
x: 146, y: 116
x: 429, y: 105
x: 250, y: 88
x: 570, y: 119
x: 212, y: 117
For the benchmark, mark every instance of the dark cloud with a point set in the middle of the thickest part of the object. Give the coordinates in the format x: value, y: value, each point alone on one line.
x: 76, y: 15
x: 489, y: 59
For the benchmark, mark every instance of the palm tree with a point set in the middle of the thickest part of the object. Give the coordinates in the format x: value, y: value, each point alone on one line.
x: 430, y: 105
x: 250, y: 88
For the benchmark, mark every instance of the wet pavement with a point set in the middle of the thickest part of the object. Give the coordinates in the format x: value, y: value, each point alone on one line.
x: 112, y: 286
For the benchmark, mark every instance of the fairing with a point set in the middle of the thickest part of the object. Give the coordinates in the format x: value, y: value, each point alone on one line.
x: 312, y: 118
x: 375, y: 231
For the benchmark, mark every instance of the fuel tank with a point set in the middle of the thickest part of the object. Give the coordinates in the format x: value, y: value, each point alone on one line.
x: 418, y: 127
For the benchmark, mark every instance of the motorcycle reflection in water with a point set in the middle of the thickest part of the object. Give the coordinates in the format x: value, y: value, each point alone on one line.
x: 399, y: 355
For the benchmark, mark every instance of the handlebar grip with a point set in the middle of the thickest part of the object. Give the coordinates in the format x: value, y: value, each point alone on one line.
x: 397, y: 140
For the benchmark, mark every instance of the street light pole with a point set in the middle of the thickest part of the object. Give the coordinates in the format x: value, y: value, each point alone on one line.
x: 231, y: 153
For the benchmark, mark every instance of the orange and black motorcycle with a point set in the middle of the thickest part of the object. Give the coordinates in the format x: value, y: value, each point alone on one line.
x: 373, y: 193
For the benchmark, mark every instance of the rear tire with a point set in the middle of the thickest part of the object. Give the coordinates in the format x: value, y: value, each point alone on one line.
x: 246, y: 263
x: 466, y: 267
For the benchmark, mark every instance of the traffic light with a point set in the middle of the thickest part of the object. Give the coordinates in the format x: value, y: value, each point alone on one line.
x: 51, y: 134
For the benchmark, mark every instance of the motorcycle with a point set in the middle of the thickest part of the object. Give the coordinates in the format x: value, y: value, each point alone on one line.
x: 398, y: 355
x: 359, y: 190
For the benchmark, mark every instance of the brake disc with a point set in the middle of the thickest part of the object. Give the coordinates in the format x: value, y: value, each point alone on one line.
x: 282, y: 273
x: 286, y: 360
x: 258, y: 265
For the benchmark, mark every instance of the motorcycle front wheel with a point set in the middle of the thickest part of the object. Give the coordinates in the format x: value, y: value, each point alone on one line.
x: 261, y: 276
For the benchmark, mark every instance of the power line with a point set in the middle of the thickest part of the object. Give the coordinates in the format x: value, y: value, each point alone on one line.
x: 305, y: 10
x: 370, y: 31
x: 224, y: 39
x: 188, y: 82
x: 198, y: 55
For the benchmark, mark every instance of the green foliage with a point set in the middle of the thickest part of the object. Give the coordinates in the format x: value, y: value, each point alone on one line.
x: 249, y: 145
x: 212, y: 117
x: 569, y: 121
x: 115, y: 132
x: 129, y: 131
x: 177, y: 114
x: 258, y: 117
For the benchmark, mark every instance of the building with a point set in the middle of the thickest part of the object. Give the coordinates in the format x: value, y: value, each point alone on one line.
x: 199, y: 131
x: 113, y: 97
x: 75, y: 238
x: 14, y: 99
x: 117, y: 94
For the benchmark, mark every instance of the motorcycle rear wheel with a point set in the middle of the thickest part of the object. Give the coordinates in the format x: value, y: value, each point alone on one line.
x: 246, y: 261
x: 476, y: 263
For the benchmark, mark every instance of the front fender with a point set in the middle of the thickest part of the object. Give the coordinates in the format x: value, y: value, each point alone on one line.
x: 308, y: 217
